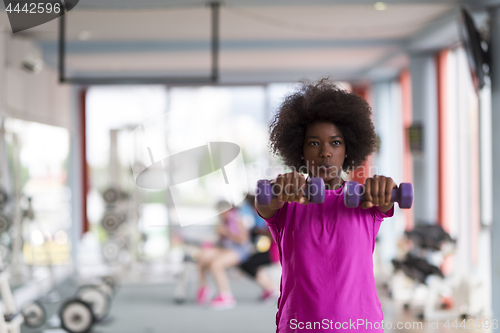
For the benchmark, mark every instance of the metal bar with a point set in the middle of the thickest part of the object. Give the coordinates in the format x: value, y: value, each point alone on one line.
x: 62, y: 48
x: 139, y: 80
x: 215, y: 40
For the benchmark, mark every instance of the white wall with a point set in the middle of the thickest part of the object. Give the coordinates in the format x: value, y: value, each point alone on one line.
x: 30, y: 96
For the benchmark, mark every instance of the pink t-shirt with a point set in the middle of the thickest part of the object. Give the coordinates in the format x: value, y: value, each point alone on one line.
x: 274, y: 252
x: 326, y: 254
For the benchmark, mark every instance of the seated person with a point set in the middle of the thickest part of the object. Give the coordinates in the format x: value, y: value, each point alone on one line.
x: 233, y: 248
x: 254, y: 265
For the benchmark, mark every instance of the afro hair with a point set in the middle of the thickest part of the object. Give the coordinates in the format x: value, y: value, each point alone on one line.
x: 322, y: 101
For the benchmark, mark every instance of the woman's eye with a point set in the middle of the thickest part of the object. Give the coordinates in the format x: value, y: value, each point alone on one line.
x: 312, y: 142
x: 337, y: 143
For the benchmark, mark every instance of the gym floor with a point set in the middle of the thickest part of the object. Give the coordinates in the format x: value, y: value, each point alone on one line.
x: 150, y: 308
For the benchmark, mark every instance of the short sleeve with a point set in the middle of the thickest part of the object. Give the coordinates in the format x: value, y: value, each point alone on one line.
x: 275, y: 223
x: 379, y: 216
x: 272, y: 220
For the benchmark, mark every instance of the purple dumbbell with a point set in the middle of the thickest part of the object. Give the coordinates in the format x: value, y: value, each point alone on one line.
x: 315, y: 191
x: 354, y: 194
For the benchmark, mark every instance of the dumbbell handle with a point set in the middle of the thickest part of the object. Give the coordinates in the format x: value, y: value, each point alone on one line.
x: 354, y: 194
x: 314, y: 190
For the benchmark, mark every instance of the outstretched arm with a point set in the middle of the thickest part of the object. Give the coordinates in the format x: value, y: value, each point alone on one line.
x: 378, y: 191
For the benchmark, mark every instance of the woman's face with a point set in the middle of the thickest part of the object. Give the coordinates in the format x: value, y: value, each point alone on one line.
x: 324, y: 150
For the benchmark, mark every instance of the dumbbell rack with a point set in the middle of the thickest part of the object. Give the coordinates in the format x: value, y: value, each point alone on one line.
x: 121, y: 217
x: 434, y: 286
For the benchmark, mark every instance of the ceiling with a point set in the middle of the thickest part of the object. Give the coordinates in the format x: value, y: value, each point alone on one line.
x: 260, y: 41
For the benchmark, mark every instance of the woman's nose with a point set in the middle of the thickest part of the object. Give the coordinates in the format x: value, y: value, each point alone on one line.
x: 325, y: 152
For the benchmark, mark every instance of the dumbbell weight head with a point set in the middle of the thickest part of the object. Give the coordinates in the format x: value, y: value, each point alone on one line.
x: 111, y: 221
x: 99, y: 301
x: 76, y: 316
x: 5, y: 223
x: 111, y: 251
x: 111, y: 195
x: 4, y: 197
x: 405, y: 195
x: 315, y: 191
x: 354, y: 194
x: 34, y: 314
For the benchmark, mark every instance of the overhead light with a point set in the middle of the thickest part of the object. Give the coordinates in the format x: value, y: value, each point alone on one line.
x: 84, y: 35
x: 380, y: 6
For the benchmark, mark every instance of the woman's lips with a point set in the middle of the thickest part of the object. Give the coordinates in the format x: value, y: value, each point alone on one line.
x: 326, y: 166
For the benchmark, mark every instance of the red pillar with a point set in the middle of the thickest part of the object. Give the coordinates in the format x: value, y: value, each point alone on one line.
x: 442, y: 58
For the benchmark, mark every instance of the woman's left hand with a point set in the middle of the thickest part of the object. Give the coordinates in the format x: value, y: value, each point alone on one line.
x: 378, y: 191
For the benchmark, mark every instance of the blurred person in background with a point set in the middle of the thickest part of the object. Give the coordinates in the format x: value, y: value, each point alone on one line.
x: 233, y: 248
x: 267, y: 253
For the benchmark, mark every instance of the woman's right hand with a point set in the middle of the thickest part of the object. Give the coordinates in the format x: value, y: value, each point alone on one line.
x: 288, y: 187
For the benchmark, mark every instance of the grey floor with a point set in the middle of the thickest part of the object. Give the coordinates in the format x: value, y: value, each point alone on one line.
x: 150, y: 308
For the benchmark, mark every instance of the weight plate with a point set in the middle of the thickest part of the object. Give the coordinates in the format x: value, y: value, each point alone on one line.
x: 4, y: 197
x: 111, y: 251
x: 110, y: 222
x: 76, y: 316
x: 5, y: 223
x: 34, y: 314
x: 111, y: 195
x: 98, y: 300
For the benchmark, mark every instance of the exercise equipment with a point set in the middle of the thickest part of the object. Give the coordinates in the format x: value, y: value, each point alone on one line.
x: 430, y: 237
x: 34, y: 314
x: 445, y: 295
x: 4, y: 197
x: 76, y: 316
x: 113, y: 195
x: 354, y: 194
x: 97, y: 298
x: 111, y: 221
x: 111, y: 251
x: 314, y: 191
x: 11, y: 319
x: 189, y: 269
x: 416, y: 268
x: 5, y: 223
x: 110, y: 285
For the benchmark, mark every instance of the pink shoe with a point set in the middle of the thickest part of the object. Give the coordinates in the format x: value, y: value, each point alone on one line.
x: 222, y: 302
x: 269, y: 296
x: 203, y: 295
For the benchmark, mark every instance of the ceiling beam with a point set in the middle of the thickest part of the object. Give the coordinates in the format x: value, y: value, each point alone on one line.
x: 92, y: 47
x: 159, y: 4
